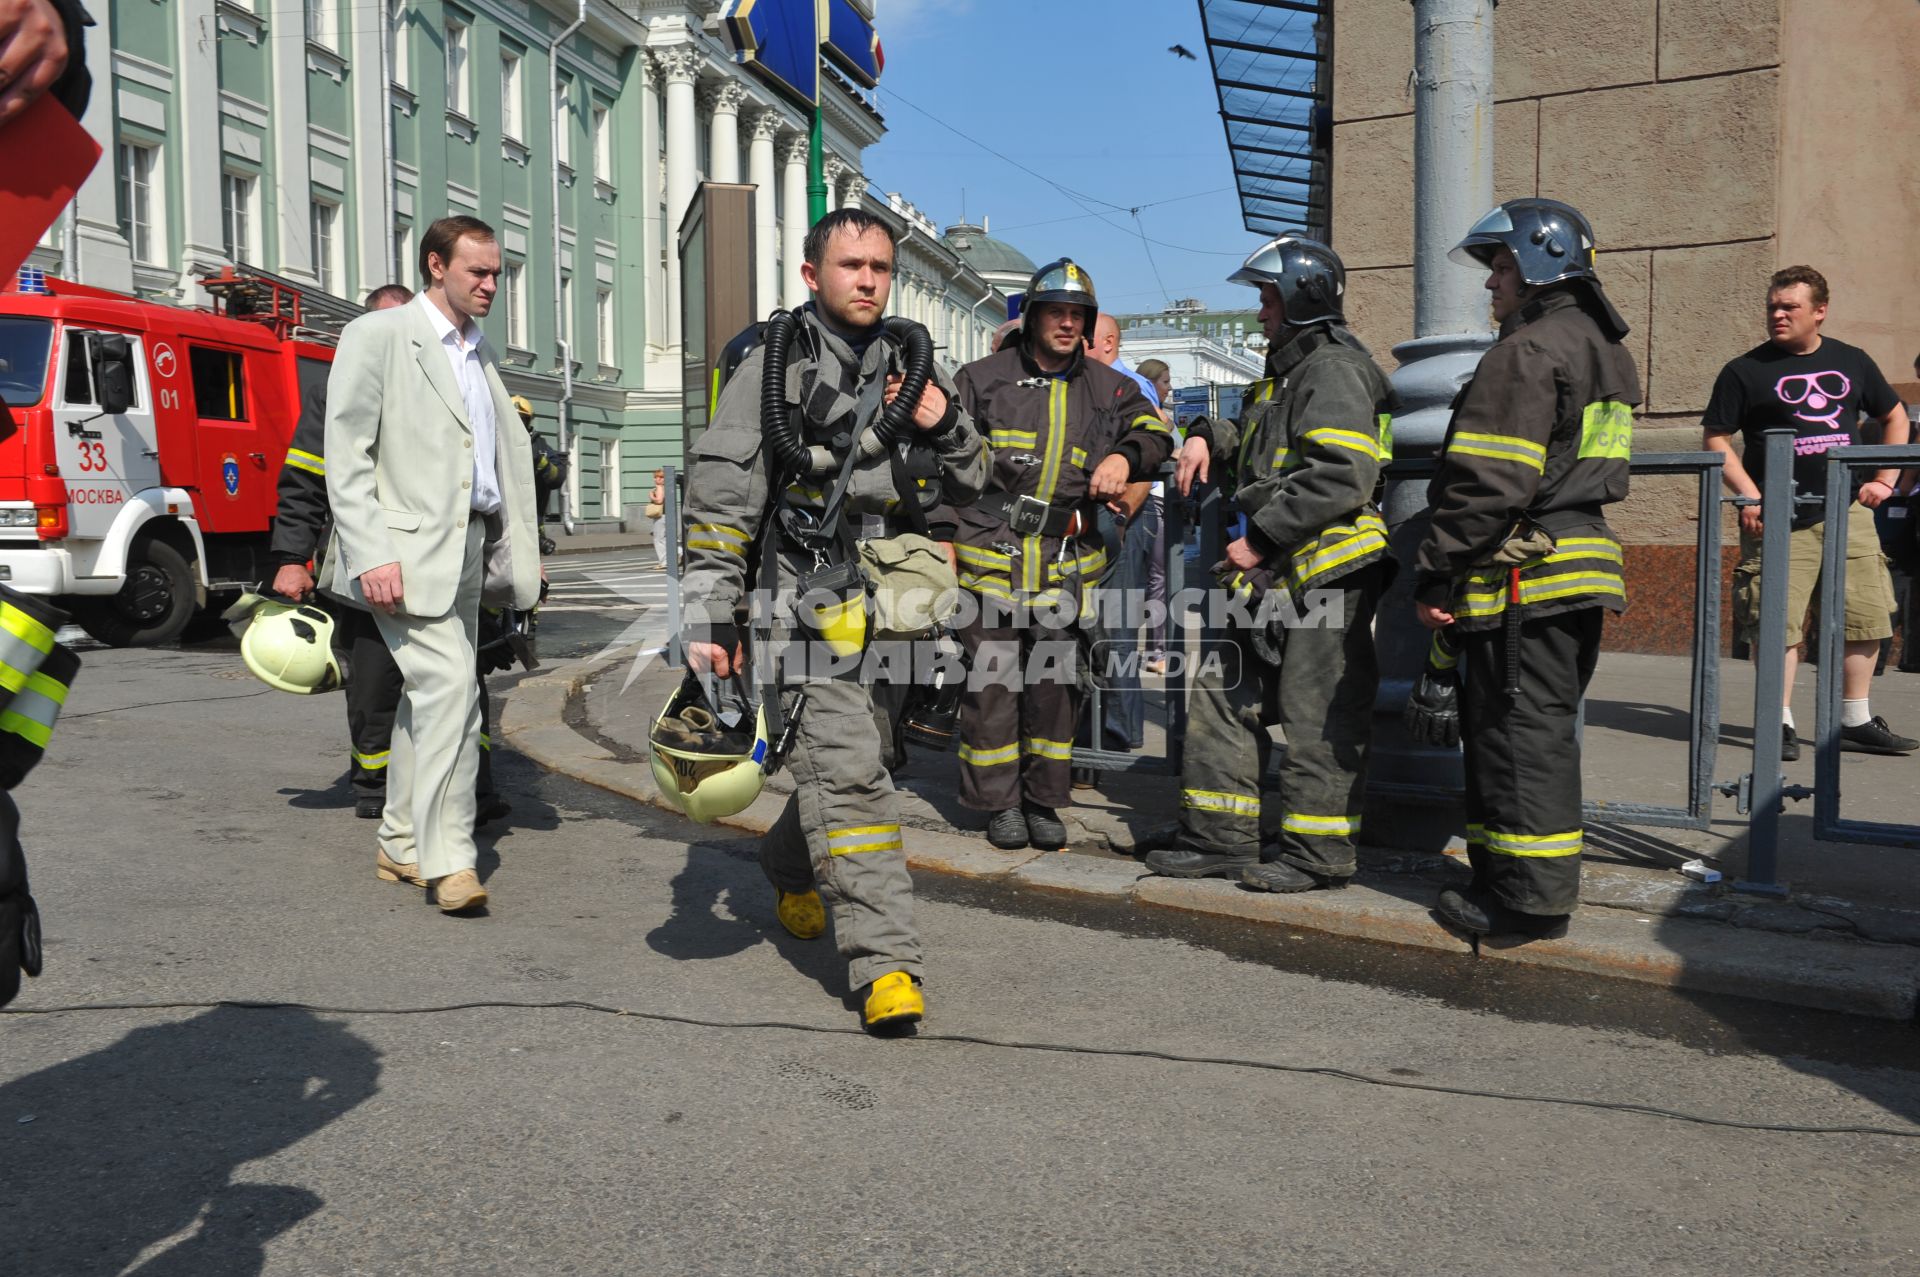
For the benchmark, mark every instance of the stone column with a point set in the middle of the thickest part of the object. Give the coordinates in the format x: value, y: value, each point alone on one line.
x: 104, y: 258
x: 856, y: 189
x: 372, y: 230
x: 833, y: 169
x: 764, y: 126
x: 793, y: 226
x: 723, y: 101
x: 196, y: 88
x: 285, y: 198
x: 680, y: 66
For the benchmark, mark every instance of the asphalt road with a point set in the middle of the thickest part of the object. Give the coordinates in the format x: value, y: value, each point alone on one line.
x: 1162, y: 1096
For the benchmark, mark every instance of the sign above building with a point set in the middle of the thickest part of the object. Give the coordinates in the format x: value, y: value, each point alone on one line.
x: 784, y: 40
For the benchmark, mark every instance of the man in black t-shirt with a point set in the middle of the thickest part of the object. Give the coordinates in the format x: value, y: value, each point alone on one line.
x: 1819, y: 387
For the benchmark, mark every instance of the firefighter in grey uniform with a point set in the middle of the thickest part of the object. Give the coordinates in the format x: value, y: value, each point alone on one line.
x: 1519, y: 565
x: 1304, y: 463
x: 1066, y: 431
x: 746, y: 512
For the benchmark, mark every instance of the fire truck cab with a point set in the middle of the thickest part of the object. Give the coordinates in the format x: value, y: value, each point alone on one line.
x: 137, y: 484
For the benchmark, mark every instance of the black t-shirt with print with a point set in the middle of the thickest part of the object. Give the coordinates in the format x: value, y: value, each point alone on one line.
x: 1820, y: 396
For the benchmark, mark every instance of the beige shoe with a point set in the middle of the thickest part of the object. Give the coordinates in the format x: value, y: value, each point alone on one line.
x: 386, y: 869
x: 458, y: 891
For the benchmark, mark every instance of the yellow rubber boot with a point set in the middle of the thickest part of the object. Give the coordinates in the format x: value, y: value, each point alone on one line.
x: 802, y: 914
x: 893, y: 1001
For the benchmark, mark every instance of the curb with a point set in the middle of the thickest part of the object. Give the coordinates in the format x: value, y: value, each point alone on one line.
x: 1853, y: 976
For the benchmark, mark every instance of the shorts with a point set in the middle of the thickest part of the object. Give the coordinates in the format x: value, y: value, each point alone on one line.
x: 1869, y: 594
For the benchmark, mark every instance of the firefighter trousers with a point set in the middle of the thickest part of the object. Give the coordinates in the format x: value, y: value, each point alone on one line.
x: 840, y: 832
x: 1524, y: 825
x: 1322, y: 696
x: 1018, y: 716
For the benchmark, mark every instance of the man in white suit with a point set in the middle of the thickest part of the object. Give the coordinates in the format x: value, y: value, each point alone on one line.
x: 432, y: 498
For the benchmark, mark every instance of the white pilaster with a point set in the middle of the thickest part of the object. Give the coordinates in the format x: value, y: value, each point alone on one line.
x: 373, y: 223
x: 764, y: 126
x: 723, y: 101
x: 105, y: 260
x: 680, y: 66
x: 291, y: 192
x: 197, y: 99
x: 793, y: 226
x: 856, y: 188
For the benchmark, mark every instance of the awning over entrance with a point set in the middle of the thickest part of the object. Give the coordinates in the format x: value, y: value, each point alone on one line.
x: 1273, y: 72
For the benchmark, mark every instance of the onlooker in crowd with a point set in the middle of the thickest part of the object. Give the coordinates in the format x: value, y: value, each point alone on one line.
x: 1817, y: 386
x: 657, y: 511
x: 1155, y: 516
x: 425, y: 487
x: 1129, y: 540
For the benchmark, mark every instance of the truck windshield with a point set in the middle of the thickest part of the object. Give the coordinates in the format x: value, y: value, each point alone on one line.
x: 24, y: 344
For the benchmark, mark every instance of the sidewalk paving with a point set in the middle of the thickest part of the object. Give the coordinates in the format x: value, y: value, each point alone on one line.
x: 1846, y: 939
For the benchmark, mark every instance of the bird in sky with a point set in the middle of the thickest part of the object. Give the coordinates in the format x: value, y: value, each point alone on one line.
x: 1182, y: 51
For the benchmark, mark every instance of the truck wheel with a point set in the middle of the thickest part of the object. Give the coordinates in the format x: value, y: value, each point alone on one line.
x: 153, y: 606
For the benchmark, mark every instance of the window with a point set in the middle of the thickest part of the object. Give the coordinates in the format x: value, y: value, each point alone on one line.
x: 458, y: 97
x: 236, y: 216
x: 219, y: 384
x: 610, y: 478
x: 563, y: 130
x: 399, y: 42
x: 566, y: 313
x: 602, y: 145
x: 510, y: 112
x: 77, y: 388
x: 25, y: 345
x: 603, y: 319
x: 513, y: 292
x: 138, y: 200
x: 325, y: 225
x: 323, y: 23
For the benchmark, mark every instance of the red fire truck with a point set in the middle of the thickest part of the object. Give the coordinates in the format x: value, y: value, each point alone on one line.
x: 137, y: 484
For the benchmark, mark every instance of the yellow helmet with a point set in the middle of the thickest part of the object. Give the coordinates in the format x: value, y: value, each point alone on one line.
x: 703, y: 767
x: 287, y: 645
x: 523, y: 406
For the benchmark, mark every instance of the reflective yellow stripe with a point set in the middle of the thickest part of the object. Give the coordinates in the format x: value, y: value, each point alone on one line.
x: 1013, y: 438
x: 373, y: 762
x: 985, y: 585
x: 1283, y: 458
x: 1439, y: 657
x: 1151, y: 422
x: 1224, y: 804
x: 1297, y: 823
x: 34, y: 709
x: 1545, y: 589
x: 1539, y: 845
x: 486, y: 742
x: 1500, y: 448
x: 859, y: 838
x: 312, y: 463
x: 1078, y: 456
x: 1588, y: 548
x: 1059, y: 750
x: 720, y: 530
x: 1386, y: 436
x: 990, y: 757
x: 1606, y: 430
x: 807, y: 492
x: 1351, y: 440
x: 1371, y: 535
x: 1260, y: 391
x: 725, y: 547
x: 1090, y: 564
x: 978, y: 557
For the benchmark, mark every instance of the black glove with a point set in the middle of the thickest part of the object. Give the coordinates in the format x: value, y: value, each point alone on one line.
x: 19, y: 918
x: 1433, y: 709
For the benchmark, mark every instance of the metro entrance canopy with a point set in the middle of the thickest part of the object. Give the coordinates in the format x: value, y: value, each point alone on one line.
x: 1273, y: 74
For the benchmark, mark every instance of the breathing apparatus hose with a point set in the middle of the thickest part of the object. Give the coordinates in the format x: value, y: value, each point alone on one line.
x: 786, y: 449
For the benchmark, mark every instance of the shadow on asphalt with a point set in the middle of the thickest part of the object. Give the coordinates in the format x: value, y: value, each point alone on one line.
x: 128, y: 1164
x: 338, y: 794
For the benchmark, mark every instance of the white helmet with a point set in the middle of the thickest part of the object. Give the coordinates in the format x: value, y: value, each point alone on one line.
x: 287, y: 645
x: 703, y: 767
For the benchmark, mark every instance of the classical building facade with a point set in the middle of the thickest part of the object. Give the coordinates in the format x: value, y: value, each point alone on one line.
x: 316, y: 141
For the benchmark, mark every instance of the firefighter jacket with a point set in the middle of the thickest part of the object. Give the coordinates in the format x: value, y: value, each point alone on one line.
x: 1540, y: 443
x: 729, y: 489
x: 300, y: 515
x: 1304, y: 459
x: 1048, y: 433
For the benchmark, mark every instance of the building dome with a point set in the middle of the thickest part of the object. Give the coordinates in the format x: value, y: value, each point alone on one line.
x: 988, y: 256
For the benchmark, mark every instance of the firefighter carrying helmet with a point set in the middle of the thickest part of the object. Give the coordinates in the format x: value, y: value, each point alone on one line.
x: 287, y: 645
x: 1061, y: 281
x: 1311, y: 278
x: 703, y: 767
x: 1550, y: 241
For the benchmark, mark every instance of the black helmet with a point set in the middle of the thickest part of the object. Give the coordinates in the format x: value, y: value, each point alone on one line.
x: 1061, y: 281
x: 1310, y: 276
x: 1550, y: 241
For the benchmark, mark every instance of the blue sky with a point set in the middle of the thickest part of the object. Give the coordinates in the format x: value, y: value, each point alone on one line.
x: 1085, y: 92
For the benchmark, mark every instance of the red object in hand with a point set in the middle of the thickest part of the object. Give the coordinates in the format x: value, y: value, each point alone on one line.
x: 44, y: 156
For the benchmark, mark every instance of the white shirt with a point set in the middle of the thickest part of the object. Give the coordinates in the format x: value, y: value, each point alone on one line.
x: 463, y: 355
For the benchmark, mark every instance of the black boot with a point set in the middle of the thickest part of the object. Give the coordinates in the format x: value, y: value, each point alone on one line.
x: 1044, y: 827
x: 1008, y: 829
x: 1180, y: 862
x: 1479, y: 913
x: 1278, y: 875
x: 369, y: 808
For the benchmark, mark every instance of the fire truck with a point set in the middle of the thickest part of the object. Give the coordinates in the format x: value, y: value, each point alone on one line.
x: 137, y: 485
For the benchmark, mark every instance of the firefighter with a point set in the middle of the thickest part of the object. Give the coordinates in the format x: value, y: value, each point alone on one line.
x: 549, y: 470
x: 1066, y: 432
x: 1303, y: 464
x: 790, y: 478
x: 1519, y: 565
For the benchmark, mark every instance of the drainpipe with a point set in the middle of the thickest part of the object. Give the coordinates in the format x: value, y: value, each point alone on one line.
x: 1452, y: 187
x: 562, y: 429
x: 973, y: 311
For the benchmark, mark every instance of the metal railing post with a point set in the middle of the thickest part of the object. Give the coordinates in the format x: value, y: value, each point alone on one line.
x: 670, y: 512
x: 1829, y: 679
x: 1173, y: 529
x: 1769, y: 668
x: 1704, y: 747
